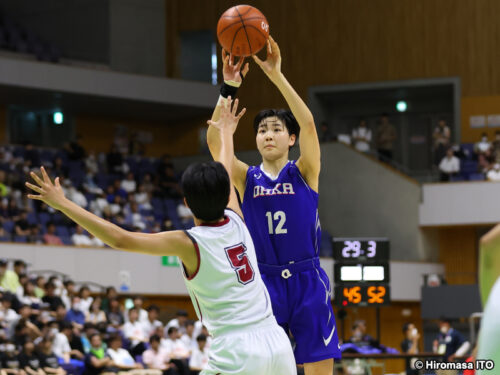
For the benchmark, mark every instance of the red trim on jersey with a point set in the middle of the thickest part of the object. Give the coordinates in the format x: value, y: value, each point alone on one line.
x: 189, y: 278
x: 217, y: 224
x: 199, y: 310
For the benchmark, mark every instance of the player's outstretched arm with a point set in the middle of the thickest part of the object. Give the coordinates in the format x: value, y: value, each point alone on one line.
x: 309, y: 162
x: 489, y: 262
x: 233, y: 76
x: 165, y: 243
x: 226, y: 126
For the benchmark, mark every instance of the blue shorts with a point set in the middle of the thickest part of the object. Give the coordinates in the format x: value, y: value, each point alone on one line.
x: 301, y: 300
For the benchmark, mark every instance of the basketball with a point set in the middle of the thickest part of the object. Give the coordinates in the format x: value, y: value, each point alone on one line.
x: 242, y: 30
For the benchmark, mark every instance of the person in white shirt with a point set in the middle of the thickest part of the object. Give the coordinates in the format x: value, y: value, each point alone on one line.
x: 187, y: 338
x: 199, y: 358
x: 123, y: 361
x: 362, y: 136
x: 484, y: 145
x: 449, y: 166
x: 152, y: 323
x: 179, y: 322
x: 134, y: 331
x: 494, y: 173
x: 85, y: 299
x: 129, y: 184
x: 157, y: 357
x: 143, y: 314
x: 79, y: 238
x: 7, y: 315
x: 176, y: 349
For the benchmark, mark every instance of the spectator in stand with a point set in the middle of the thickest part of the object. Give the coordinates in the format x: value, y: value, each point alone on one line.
x: 20, y: 267
x: 449, y: 166
x: 494, y: 173
x: 157, y: 357
x: 359, y: 336
x: 67, y: 293
x: 96, y: 242
x: 441, y: 138
x: 179, y: 322
x: 450, y: 343
x: 178, y: 352
x: 4, y: 188
x: 91, y: 164
x: 135, y: 146
x: 187, y: 338
x: 122, y: 360
x: 8, y: 317
x: 97, y: 361
x: 133, y: 217
x: 168, y: 183
x: 29, y: 360
x: 75, y: 195
x: 95, y: 315
x: 143, y: 198
x: 74, y: 149
x: 484, y: 145
x: 59, y: 168
x: 40, y: 286
x: 152, y: 323
x: 50, y: 238
x: 29, y: 297
x: 129, y: 184
x: 134, y: 331
x: 115, y: 314
x: 99, y: 204
x: 21, y: 226
x: 362, y: 136
x: 31, y: 155
x: 149, y: 185
x: 386, y: 136
x: 114, y: 160
x: 9, y: 280
x: 185, y: 214
x: 85, y: 297
x: 49, y: 361
x: 75, y: 315
x: 110, y: 294
x: 79, y: 238
x: 199, y: 358
x: 410, y: 346
x: 9, y: 362
x: 76, y: 355
x: 50, y: 296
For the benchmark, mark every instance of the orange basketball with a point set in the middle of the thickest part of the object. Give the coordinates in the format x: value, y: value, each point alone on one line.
x: 242, y: 30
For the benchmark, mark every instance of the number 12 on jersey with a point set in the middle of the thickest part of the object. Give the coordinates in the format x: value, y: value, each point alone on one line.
x: 279, y: 218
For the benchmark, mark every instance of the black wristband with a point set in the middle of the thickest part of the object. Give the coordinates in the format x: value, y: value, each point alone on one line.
x: 228, y: 90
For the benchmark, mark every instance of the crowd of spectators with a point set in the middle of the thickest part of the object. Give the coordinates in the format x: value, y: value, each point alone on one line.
x: 48, y: 326
x: 120, y: 186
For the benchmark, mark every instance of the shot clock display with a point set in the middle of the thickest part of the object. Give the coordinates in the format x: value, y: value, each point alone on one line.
x: 361, y: 271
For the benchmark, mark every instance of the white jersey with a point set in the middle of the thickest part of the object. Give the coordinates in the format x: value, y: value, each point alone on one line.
x: 227, y: 290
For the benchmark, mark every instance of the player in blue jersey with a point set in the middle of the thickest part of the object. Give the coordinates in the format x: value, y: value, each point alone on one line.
x: 280, y: 207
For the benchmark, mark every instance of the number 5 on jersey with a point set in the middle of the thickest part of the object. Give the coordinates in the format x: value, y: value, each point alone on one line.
x: 280, y: 219
x: 238, y: 258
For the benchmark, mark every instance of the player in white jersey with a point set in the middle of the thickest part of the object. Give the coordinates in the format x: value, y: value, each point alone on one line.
x: 218, y: 259
x: 489, y: 284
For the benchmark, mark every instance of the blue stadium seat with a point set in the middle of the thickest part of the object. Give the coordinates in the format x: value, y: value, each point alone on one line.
x: 44, y: 218
x: 8, y: 226
x: 171, y: 209
x: 32, y: 219
x: 477, y: 177
x: 62, y: 230
x: 5, y: 239
x: 66, y: 240
x: 22, y: 239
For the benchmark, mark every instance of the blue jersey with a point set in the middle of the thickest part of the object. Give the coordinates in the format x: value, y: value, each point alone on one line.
x: 281, y: 215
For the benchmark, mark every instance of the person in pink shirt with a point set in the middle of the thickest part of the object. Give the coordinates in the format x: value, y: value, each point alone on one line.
x: 158, y: 358
x: 50, y: 238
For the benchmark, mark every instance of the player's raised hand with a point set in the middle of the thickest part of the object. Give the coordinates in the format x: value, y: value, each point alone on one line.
x: 232, y: 71
x: 228, y: 120
x: 48, y: 192
x: 272, y: 65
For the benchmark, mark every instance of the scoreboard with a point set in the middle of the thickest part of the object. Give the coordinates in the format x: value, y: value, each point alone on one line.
x: 361, y: 271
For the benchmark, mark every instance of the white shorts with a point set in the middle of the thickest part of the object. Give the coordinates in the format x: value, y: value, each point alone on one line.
x: 264, y: 350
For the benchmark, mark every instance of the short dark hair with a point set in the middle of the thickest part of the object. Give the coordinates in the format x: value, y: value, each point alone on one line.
x: 201, y: 337
x: 284, y: 115
x: 153, y: 308
x: 206, y: 189
x: 406, y: 326
x: 172, y: 330
x: 19, y: 262
x: 154, y: 338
